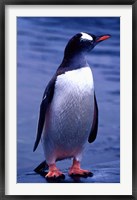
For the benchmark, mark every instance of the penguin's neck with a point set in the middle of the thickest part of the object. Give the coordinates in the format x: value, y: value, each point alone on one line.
x: 74, y: 61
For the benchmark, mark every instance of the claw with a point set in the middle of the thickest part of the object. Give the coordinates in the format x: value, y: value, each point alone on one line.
x: 75, y: 170
x: 80, y: 173
x: 54, y: 173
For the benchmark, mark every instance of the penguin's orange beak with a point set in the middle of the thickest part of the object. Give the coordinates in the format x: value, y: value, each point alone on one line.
x: 103, y: 37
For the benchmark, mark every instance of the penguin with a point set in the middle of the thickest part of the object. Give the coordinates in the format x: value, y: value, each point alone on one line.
x: 68, y: 115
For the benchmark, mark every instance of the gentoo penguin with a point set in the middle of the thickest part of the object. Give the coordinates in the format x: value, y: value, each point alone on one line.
x: 68, y: 111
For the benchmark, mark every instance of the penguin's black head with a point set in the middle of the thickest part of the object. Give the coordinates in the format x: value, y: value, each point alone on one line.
x: 83, y: 43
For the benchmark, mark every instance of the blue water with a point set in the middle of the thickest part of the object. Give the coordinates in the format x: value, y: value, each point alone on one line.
x: 40, y: 46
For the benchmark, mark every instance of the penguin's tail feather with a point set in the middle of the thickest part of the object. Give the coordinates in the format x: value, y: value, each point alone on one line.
x: 41, y: 168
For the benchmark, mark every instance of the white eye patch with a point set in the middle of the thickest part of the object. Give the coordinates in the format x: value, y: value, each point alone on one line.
x: 86, y: 36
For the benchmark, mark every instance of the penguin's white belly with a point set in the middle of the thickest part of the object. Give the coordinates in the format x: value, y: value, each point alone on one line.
x: 69, y: 120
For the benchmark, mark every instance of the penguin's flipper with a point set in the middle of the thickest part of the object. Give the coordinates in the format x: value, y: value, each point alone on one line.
x: 47, y: 98
x: 94, y: 129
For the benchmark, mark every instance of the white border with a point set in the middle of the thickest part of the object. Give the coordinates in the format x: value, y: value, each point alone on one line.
x: 125, y: 185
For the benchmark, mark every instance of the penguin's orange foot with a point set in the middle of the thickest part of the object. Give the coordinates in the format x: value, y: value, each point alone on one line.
x: 75, y: 170
x: 79, y: 172
x: 54, y: 173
